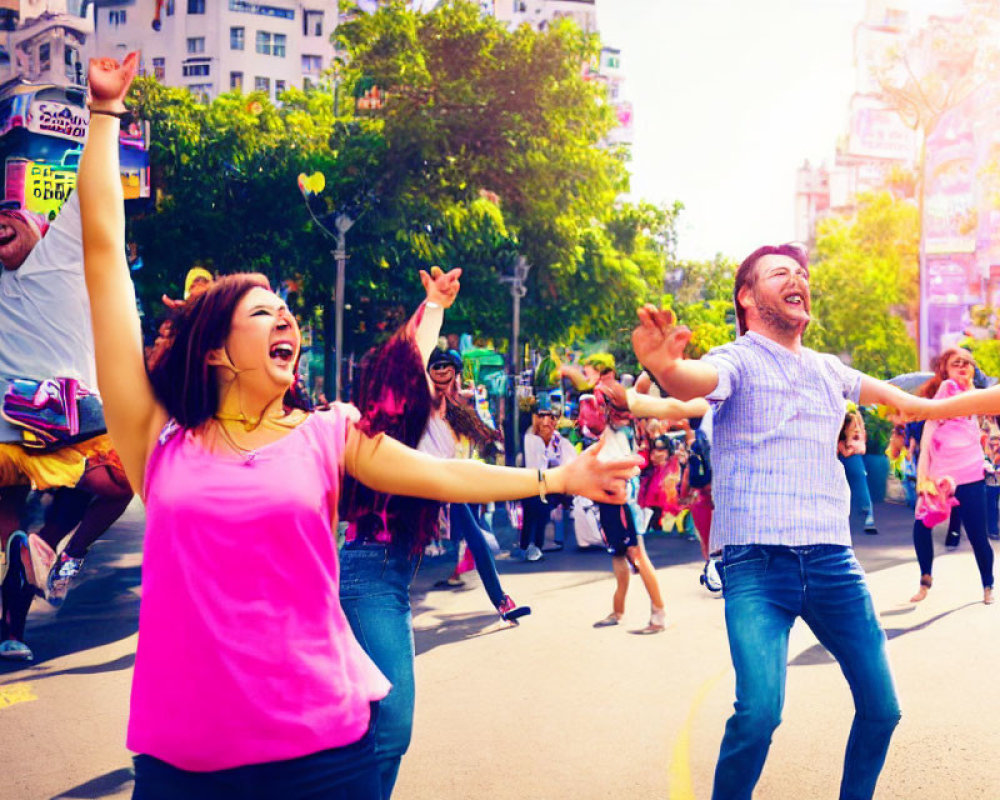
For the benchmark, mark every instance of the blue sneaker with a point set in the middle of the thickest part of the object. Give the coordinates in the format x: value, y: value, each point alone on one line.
x: 13, y: 650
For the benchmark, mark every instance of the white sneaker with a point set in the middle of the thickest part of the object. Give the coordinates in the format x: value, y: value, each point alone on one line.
x: 533, y: 553
x: 711, y: 577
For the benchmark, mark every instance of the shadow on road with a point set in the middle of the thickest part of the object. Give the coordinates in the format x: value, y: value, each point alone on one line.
x: 817, y: 654
x: 101, y: 786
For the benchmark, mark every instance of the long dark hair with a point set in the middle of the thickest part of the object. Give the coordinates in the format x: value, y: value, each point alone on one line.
x: 746, y: 275
x: 392, y: 394
x: 183, y: 382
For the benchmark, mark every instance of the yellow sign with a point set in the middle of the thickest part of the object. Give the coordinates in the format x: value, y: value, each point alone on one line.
x: 46, y: 188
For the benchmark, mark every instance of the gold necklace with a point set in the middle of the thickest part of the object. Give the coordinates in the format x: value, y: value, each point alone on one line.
x: 249, y: 454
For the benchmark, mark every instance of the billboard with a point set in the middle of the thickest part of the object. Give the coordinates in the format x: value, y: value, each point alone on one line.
x: 878, y: 132
x: 42, y: 130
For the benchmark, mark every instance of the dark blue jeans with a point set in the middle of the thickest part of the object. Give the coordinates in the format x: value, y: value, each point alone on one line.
x: 375, y: 595
x: 343, y: 773
x: 857, y: 479
x: 766, y: 588
x: 465, y: 524
x: 992, y: 512
x: 971, y: 509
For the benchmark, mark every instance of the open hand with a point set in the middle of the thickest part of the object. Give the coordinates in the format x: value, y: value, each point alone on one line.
x: 441, y: 287
x: 108, y: 81
x: 657, y: 340
x: 600, y: 481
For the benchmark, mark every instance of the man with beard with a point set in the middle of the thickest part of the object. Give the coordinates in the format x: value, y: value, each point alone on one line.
x: 45, y: 333
x: 782, y: 510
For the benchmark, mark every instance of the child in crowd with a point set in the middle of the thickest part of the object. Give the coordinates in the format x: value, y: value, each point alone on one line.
x: 851, y: 445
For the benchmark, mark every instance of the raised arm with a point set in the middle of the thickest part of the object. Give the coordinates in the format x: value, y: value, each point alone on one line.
x: 385, y: 465
x: 442, y: 288
x: 130, y: 408
x: 646, y: 406
x: 659, y: 345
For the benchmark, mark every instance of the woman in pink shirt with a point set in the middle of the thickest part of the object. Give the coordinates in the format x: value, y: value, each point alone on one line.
x: 248, y: 682
x: 951, y: 448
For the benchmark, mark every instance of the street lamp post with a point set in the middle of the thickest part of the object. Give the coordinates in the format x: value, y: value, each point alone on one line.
x: 516, y: 282
x: 343, y: 224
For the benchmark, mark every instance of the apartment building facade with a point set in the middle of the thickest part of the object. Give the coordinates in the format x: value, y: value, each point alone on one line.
x: 215, y: 46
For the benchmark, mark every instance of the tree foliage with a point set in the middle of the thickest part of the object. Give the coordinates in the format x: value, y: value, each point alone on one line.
x: 864, y: 286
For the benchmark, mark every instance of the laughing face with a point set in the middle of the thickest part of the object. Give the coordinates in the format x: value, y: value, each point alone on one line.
x: 17, y: 238
x: 780, y: 295
x: 263, y: 342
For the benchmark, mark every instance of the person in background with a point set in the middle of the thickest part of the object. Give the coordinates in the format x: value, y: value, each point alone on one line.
x: 952, y: 449
x: 545, y: 447
x: 992, y: 454
x: 851, y: 445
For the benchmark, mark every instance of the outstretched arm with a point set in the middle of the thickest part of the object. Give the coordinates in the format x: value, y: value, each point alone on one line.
x: 130, y: 408
x: 442, y: 289
x: 884, y: 393
x: 385, y: 465
x: 965, y: 404
x: 646, y: 406
x: 659, y: 345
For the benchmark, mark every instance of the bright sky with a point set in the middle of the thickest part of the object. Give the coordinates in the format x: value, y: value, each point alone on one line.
x: 730, y: 96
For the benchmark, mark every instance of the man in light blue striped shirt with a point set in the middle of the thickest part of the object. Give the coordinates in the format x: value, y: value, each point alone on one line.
x: 782, y: 507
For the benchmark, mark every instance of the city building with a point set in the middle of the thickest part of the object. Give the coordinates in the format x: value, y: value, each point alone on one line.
x: 214, y: 46
x: 43, y: 41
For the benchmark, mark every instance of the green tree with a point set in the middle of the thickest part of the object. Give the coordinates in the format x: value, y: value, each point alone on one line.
x: 863, y: 281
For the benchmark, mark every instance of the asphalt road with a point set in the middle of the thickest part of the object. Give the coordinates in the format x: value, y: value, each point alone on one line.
x: 554, y: 708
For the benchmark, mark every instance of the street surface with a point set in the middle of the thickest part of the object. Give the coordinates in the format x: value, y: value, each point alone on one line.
x: 555, y: 708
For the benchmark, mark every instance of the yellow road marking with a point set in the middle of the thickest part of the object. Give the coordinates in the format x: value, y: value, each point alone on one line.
x: 14, y: 693
x: 679, y: 774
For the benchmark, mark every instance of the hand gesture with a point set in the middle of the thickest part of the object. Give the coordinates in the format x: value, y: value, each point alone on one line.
x: 108, y: 82
x: 441, y: 287
x: 658, y: 341
x: 600, y: 481
x: 615, y: 394
x: 171, y: 303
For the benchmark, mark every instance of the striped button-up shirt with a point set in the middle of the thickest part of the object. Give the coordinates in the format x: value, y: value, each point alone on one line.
x: 775, y: 474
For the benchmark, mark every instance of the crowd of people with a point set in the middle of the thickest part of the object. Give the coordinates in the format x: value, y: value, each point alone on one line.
x: 270, y: 664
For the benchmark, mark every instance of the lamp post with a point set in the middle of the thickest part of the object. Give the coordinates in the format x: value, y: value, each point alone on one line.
x: 342, y: 222
x: 516, y: 282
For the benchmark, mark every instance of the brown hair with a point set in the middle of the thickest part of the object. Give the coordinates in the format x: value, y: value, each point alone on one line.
x: 746, y: 275
x: 183, y: 382
x: 940, y: 367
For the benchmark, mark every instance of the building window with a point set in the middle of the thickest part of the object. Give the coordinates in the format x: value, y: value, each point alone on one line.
x: 264, y: 43
x: 44, y: 57
x: 279, y: 87
x: 262, y: 84
x: 195, y: 70
x: 236, y: 81
x: 160, y: 69
x: 170, y: 8
x: 312, y: 65
x: 312, y: 23
x: 265, y: 11
x: 196, y: 6
x: 203, y: 91
x: 196, y: 44
x: 116, y: 18
x: 237, y: 37
x: 279, y: 44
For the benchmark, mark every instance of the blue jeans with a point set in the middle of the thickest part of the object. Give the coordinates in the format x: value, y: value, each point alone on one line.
x: 857, y: 479
x: 992, y: 498
x: 343, y: 773
x: 766, y: 588
x: 375, y: 595
x: 466, y: 525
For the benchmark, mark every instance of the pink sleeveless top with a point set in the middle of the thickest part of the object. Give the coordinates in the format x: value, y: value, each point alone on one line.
x: 244, y: 653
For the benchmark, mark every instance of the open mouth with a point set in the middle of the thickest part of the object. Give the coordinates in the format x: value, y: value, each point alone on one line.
x: 796, y: 300
x: 282, y: 354
x: 7, y: 235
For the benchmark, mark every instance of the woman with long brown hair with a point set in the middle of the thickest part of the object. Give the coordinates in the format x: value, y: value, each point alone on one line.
x: 248, y: 681
x: 951, y: 448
